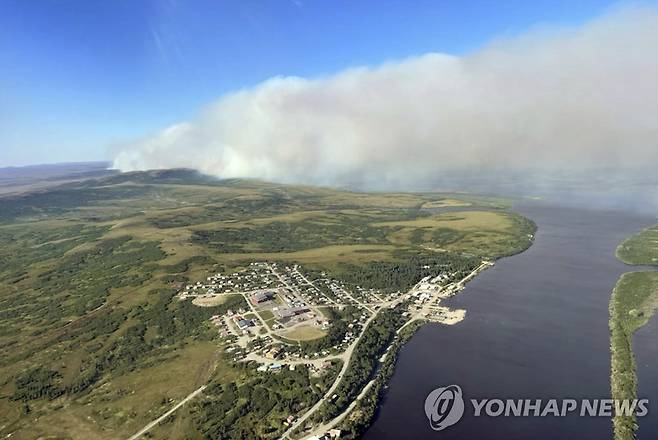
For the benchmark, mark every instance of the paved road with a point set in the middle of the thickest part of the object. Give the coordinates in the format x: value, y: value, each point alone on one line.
x: 345, y: 356
x: 348, y: 354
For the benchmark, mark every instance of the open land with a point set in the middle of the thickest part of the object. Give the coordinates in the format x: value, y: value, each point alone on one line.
x: 275, y: 310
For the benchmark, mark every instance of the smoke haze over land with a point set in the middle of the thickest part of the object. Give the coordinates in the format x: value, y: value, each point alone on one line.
x: 551, y: 99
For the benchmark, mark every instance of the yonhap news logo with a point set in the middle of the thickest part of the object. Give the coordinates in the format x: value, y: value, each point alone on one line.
x: 445, y: 406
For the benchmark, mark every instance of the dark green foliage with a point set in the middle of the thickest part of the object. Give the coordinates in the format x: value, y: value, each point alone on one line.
x: 185, y: 265
x: 232, y: 209
x: 22, y: 247
x: 519, y: 240
x: 174, y: 320
x: 376, y: 338
x: 632, y: 304
x: 77, y: 283
x: 291, y: 236
x: 37, y: 383
x: 407, y: 269
x: 83, y: 279
x: 641, y: 248
x: 445, y: 236
x: 40, y: 205
x: 339, y: 321
x: 359, y: 420
x: 255, y: 407
x: 74, y: 300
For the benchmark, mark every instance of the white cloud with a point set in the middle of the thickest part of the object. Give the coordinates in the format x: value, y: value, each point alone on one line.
x: 560, y: 98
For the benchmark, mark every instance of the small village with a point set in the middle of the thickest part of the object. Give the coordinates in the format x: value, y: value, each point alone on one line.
x: 286, y: 311
x: 284, y: 308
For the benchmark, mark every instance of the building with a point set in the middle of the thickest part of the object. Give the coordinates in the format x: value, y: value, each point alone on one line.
x: 244, y: 323
x: 261, y: 297
x: 290, y: 312
x: 273, y: 353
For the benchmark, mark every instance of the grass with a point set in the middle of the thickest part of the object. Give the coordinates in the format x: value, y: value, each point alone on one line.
x: 445, y: 203
x: 633, y: 303
x: 487, y: 233
x: 463, y: 220
x: 123, y: 244
x: 325, y: 255
x: 266, y: 315
x: 304, y: 333
x: 641, y: 248
x: 209, y: 302
x: 120, y: 407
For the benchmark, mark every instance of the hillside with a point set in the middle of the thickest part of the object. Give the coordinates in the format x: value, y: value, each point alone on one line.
x: 93, y: 342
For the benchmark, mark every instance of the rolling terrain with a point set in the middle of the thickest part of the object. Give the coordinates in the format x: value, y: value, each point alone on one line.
x: 94, y: 343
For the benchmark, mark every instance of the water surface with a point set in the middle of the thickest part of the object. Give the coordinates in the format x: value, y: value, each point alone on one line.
x: 536, y: 327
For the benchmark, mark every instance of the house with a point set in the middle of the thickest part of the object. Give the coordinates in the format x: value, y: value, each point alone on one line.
x: 272, y: 353
x: 244, y: 323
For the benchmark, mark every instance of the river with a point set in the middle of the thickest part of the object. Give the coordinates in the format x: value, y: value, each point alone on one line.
x: 536, y: 327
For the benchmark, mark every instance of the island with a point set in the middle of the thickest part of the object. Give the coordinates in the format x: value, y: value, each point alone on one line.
x: 633, y: 303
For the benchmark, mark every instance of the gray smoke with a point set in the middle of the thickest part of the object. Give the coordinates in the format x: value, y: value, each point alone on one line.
x: 552, y: 99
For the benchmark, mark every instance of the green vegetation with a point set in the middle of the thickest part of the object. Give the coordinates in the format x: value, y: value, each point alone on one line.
x: 172, y: 323
x: 93, y: 342
x: 255, y: 405
x: 307, y: 332
x: 486, y: 234
x: 377, y: 337
x: 290, y: 236
x: 641, y: 248
x: 405, y: 270
x: 336, y: 332
x: 633, y: 303
x: 364, y: 411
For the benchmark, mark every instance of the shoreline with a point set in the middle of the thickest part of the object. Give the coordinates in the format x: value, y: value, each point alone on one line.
x: 633, y: 303
x: 370, y: 404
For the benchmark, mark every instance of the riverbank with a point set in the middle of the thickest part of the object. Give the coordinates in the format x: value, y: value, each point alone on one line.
x: 361, y: 416
x: 537, y: 327
x: 633, y: 303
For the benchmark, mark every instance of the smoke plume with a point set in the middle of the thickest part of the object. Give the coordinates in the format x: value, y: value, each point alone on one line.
x: 563, y: 98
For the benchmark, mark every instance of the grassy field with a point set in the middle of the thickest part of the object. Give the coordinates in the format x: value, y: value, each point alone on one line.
x: 445, y: 203
x: 486, y: 233
x: 93, y: 343
x: 633, y: 303
x: 209, y: 302
x: 641, y: 248
x: 304, y: 333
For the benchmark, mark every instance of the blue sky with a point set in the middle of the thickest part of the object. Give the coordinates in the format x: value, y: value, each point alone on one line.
x: 78, y: 76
